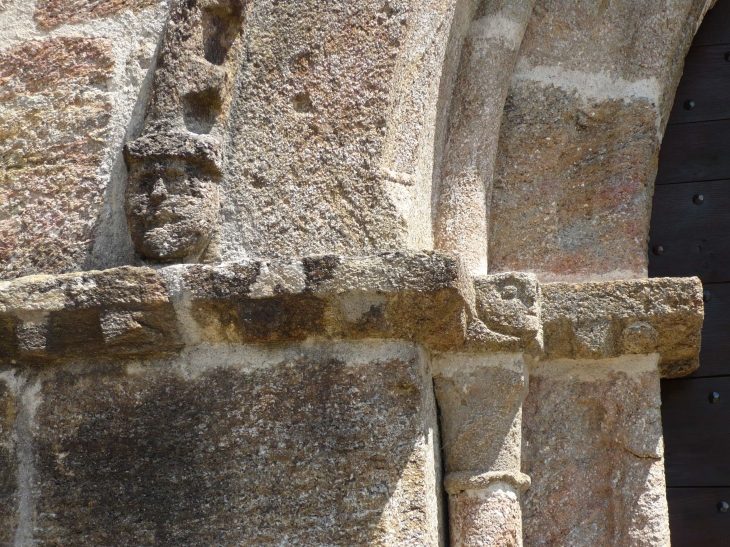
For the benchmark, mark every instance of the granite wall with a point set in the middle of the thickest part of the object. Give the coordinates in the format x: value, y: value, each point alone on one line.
x: 267, y: 267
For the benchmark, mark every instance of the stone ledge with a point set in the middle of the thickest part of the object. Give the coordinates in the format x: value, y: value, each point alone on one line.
x: 423, y: 297
x: 609, y: 319
x: 119, y: 313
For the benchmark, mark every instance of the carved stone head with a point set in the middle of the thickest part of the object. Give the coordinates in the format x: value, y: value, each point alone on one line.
x: 172, y: 195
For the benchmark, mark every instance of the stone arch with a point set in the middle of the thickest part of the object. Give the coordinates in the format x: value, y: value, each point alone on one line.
x: 573, y: 152
x: 580, y: 136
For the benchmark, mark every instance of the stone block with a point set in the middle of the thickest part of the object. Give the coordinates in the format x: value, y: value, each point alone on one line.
x: 323, y: 444
x: 600, y: 320
x: 53, y: 13
x: 573, y: 185
x: 580, y: 135
x: 56, y: 110
x: 412, y: 296
x: 331, y: 144
x: 630, y: 40
x: 592, y: 445
x: 118, y: 313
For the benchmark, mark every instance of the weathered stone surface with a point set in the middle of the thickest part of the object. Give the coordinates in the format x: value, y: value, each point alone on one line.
x: 464, y: 481
x: 331, y: 133
x: 352, y: 133
x: 423, y: 297
x: 480, y: 399
x: 632, y: 40
x: 8, y: 464
x: 323, y: 445
x: 590, y: 96
x: 573, y: 185
x: 488, y: 518
x: 489, y: 51
x: 53, y: 13
x: 592, y: 444
x: 118, y: 313
x: 54, y: 114
x: 510, y: 305
x: 600, y: 320
x: 175, y: 166
x: 411, y: 296
x: 397, y: 295
x: 480, y: 403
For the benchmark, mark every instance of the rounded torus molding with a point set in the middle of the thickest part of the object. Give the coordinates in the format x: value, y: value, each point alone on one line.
x: 463, y: 481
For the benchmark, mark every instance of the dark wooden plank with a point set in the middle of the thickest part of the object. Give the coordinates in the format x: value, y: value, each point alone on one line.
x: 696, y: 431
x: 715, y: 353
x: 715, y: 28
x: 695, y: 151
x: 705, y: 82
x: 694, y: 520
x: 695, y: 238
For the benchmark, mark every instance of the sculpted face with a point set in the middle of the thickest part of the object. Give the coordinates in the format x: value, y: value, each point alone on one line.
x: 172, y: 207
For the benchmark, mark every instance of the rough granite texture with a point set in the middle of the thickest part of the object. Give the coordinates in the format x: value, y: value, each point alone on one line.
x: 117, y: 314
x: 590, y: 96
x: 592, y: 445
x: 55, y: 108
x: 319, y: 446
x: 511, y: 305
x: 53, y: 13
x: 600, y: 320
x: 489, y: 51
x: 423, y: 297
x: 490, y: 517
x: 635, y: 40
x: 579, y: 174
x: 293, y: 166
x: 331, y: 130
x: 480, y: 406
x: 480, y: 400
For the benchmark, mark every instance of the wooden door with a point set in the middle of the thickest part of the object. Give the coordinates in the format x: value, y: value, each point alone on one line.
x: 690, y: 235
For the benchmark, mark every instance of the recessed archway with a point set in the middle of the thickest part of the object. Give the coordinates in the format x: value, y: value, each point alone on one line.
x: 691, y: 207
